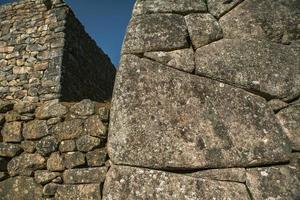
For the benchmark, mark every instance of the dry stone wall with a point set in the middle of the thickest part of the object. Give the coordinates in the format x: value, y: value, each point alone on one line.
x: 206, y: 102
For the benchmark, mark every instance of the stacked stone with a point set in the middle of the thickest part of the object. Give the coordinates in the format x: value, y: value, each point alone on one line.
x: 38, y: 39
x: 205, y: 102
x: 53, y: 149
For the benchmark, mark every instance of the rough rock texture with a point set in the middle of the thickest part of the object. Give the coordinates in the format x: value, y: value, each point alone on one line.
x: 74, y: 192
x: 129, y: 183
x: 9, y: 150
x: 11, y: 132
x: 182, y: 121
x: 220, y: 7
x: 270, y: 69
x: 90, y: 175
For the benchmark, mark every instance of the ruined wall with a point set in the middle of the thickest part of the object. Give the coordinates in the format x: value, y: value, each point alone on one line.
x: 205, y: 102
x: 45, y: 54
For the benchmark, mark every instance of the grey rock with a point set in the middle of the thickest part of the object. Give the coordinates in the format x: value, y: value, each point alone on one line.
x: 9, y: 150
x: 129, y: 183
x: 87, y: 143
x: 47, y: 145
x: 74, y: 192
x: 177, y: 120
x: 12, y: 132
x: 35, y: 130
x: 53, y: 121
x: 182, y: 59
x: 84, y: 108
x: 220, y: 7
x: 25, y: 164
x: 203, y: 29
x: 23, y: 108
x: 51, y: 109
x: 28, y: 146
x: 88, y: 175
x: 155, y: 32
x: 97, y: 157
x: 44, y: 176
x: 278, y: 182
x: 163, y: 6
x: 104, y: 114
x: 248, y: 64
x: 55, y: 162
x: 276, y: 104
x: 73, y: 159
x: 68, y: 130
x: 290, y: 120
x: 93, y: 126
x: 276, y: 21
x: 6, y: 106
x: 228, y: 174
x: 20, y: 188
x: 50, y: 189
x: 35, y: 47
x: 12, y: 116
x: 67, y: 146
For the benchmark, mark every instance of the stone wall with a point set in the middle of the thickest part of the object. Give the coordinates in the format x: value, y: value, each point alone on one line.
x: 53, y: 150
x: 45, y: 54
x: 206, y: 102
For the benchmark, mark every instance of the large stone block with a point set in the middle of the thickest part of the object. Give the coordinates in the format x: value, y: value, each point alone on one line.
x: 75, y: 192
x: 162, y: 118
x: 85, y: 175
x: 155, y: 32
x: 139, y: 184
x: 221, y: 7
x: 260, y: 66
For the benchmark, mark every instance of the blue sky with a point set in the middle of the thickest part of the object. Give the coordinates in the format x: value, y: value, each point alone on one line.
x: 104, y: 20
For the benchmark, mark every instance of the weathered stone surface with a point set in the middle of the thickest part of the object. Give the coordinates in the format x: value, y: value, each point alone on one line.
x: 50, y: 189
x: 55, y: 162
x: 24, y: 108
x: 74, y: 192
x: 83, y: 108
x: 28, y: 146
x: 104, y: 114
x: 155, y: 32
x: 6, y: 106
x: 12, y: 116
x: 163, y: 6
x: 67, y: 130
x: 73, y: 159
x: 35, y: 130
x: 203, y: 29
x: 47, y: 145
x: 228, y: 174
x: 219, y: 7
x: 87, y: 175
x: 9, y: 150
x: 87, y: 143
x: 20, y: 188
x: 129, y: 183
x: 182, y: 59
x: 67, y: 146
x: 97, y: 157
x: 94, y: 126
x: 248, y: 64
x: 11, y: 132
x: 276, y: 104
x: 25, y: 164
x: 272, y: 20
x: 44, y: 176
x: 290, y: 120
x: 282, y: 182
x: 176, y: 120
x: 51, y: 109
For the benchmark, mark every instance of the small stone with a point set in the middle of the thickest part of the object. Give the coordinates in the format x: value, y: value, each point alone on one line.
x: 41, y: 66
x: 28, y: 146
x: 55, y: 162
x: 51, y: 110
x: 11, y: 132
x: 89, y: 175
x: 84, y: 108
x: 5, y: 106
x: 104, y: 114
x: 73, y: 159
x: 57, y: 180
x: 44, y: 176
x: 23, y: 108
x: 50, y: 189
x: 67, y: 146
x: 12, y: 116
x: 9, y: 150
x: 203, y: 29
x: 68, y: 130
x: 94, y: 126
x: 87, y: 143
x: 25, y: 164
x: 54, y: 121
x: 35, y: 47
x: 47, y: 145
x: 35, y: 130
x: 97, y: 157
x: 276, y: 104
x: 83, y: 191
